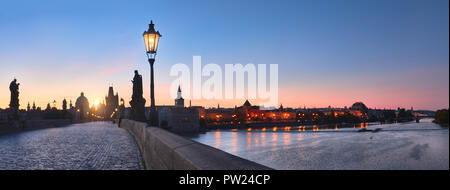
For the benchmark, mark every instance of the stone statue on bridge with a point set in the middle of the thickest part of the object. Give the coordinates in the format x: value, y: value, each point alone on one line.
x: 14, y: 103
x: 137, y: 100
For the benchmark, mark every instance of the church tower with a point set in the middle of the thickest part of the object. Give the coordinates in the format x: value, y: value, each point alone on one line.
x: 112, y: 102
x: 64, y: 104
x: 179, y: 101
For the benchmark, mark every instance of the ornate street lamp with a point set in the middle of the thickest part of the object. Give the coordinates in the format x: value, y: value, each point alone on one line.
x: 151, y: 39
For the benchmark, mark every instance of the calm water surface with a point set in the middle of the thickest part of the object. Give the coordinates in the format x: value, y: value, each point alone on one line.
x: 421, y: 145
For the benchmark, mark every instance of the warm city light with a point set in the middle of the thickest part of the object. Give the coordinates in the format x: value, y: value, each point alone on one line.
x: 95, y: 104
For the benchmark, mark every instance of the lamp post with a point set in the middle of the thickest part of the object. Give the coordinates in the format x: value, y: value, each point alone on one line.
x: 151, y: 39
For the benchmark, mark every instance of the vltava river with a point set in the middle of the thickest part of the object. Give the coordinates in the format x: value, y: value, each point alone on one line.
x: 421, y: 145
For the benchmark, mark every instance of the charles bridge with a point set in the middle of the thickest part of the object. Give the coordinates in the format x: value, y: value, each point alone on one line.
x: 103, y: 145
x: 54, y: 142
x: 95, y: 145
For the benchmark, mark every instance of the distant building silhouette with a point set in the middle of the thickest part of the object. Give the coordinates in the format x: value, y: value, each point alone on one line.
x: 82, y: 107
x: 177, y: 118
x: 246, y: 103
x: 179, y: 101
x: 54, y: 104
x: 112, y: 103
x: 359, y: 106
x: 64, y: 104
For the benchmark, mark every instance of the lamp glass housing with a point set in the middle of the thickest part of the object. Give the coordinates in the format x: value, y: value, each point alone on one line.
x: 151, y: 42
x: 151, y: 39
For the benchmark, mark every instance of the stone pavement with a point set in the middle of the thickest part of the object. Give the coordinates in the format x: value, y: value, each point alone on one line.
x: 85, y: 146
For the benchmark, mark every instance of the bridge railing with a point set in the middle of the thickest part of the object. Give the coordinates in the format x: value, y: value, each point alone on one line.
x: 17, y: 126
x: 163, y: 150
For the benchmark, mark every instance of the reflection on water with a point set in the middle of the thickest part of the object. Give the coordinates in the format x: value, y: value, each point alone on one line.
x: 315, y: 128
x: 397, y: 146
x: 263, y: 139
x: 287, y: 138
x: 217, y: 137
x: 249, y: 141
x: 234, y: 141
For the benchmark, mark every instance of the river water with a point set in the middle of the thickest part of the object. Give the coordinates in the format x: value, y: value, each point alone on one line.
x: 397, y: 146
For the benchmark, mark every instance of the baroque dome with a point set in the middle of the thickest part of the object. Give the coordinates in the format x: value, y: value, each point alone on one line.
x: 82, y: 101
x: 359, y: 106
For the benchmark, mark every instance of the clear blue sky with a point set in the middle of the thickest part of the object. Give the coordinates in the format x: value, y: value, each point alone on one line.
x: 387, y: 53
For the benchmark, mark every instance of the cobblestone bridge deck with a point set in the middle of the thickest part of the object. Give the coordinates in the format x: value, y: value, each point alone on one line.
x: 95, y: 145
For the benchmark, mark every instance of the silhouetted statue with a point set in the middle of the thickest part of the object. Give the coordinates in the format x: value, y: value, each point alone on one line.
x: 137, y: 100
x: 14, y: 88
x: 14, y: 103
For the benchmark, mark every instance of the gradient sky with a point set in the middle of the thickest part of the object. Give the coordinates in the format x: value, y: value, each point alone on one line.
x: 386, y: 53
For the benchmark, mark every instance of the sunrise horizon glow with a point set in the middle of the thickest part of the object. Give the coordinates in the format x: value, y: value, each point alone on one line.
x: 386, y: 54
